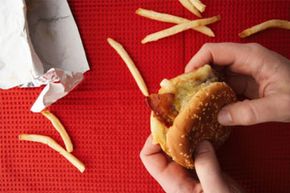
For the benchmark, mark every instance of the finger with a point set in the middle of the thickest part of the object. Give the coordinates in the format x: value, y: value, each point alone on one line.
x: 250, y: 59
x: 171, y: 176
x: 249, y: 112
x: 153, y: 158
x: 149, y: 148
x: 220, y: 54
x: 208, y: 170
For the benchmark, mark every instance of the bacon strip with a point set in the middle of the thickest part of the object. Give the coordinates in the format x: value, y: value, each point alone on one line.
x: 163, y: 108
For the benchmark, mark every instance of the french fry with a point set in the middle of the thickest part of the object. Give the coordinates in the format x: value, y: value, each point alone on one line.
x: 60, y: 129
x: 55, y: 146
x: 273, y: 23
x: 164, y: 17
x: 130, y: 64
x: 178, y: 28
x: 190, y: 7
x: 198, y: 5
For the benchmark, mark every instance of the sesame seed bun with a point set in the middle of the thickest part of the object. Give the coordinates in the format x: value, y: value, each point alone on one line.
x: 197, y: 115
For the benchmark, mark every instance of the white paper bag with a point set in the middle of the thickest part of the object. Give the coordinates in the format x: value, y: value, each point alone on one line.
x: 44, y: 49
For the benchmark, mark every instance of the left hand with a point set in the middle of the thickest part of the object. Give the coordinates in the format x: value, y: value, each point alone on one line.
x: 174, y: 178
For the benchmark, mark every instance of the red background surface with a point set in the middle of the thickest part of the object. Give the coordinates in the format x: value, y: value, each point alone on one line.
x: 106, y: 115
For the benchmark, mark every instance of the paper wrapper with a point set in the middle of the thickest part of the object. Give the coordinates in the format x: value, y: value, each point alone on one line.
x: 46, y: 49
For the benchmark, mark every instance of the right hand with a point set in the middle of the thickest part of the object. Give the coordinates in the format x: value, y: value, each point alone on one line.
x: 254, y: 71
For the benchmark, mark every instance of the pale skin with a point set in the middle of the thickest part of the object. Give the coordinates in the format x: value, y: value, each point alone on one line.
x: 259, y: 74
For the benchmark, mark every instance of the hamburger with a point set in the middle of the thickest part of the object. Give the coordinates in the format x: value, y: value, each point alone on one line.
x: 184, y: 113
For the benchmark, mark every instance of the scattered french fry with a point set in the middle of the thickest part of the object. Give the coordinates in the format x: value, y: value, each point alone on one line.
x: 273, y: 23
x: 55, y: 146
x: 130, y: 64
x: 198, y: 5
x: 60, y: 129
x: 164, y: 17
x: 179, y: 28
x: 190, y: 7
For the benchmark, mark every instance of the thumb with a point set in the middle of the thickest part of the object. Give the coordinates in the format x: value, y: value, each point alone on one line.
x: 208, y: 170
x: 249, y: 112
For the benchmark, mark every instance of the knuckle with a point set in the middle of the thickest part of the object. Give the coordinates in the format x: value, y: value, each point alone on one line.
x: 243, y: 113
x: 206, y: 46
x: 255, y: 47
x: 202, y: 157
x: 247, y: 119
x: 248, y: 113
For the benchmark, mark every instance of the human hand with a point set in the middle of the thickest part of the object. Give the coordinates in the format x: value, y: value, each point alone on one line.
x: 173, y: 178
x: 257, y: 73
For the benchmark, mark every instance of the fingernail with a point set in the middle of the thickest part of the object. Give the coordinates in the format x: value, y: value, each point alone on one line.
x: 202, y: 147
x: 224, y: 117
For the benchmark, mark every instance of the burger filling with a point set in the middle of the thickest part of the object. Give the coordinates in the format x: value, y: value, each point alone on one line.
x: 176, y: 93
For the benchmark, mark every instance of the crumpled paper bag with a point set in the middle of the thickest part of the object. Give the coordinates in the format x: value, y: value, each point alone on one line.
x: 44, y: 49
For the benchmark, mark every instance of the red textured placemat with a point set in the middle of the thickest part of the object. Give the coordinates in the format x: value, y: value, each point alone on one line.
x: 106, y: 115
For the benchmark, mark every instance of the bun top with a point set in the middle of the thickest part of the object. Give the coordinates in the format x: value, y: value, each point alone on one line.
x: 198, y: 122
x: 198, y: 98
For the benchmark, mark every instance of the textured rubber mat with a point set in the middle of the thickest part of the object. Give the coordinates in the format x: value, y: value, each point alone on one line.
x: 107, y: 117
